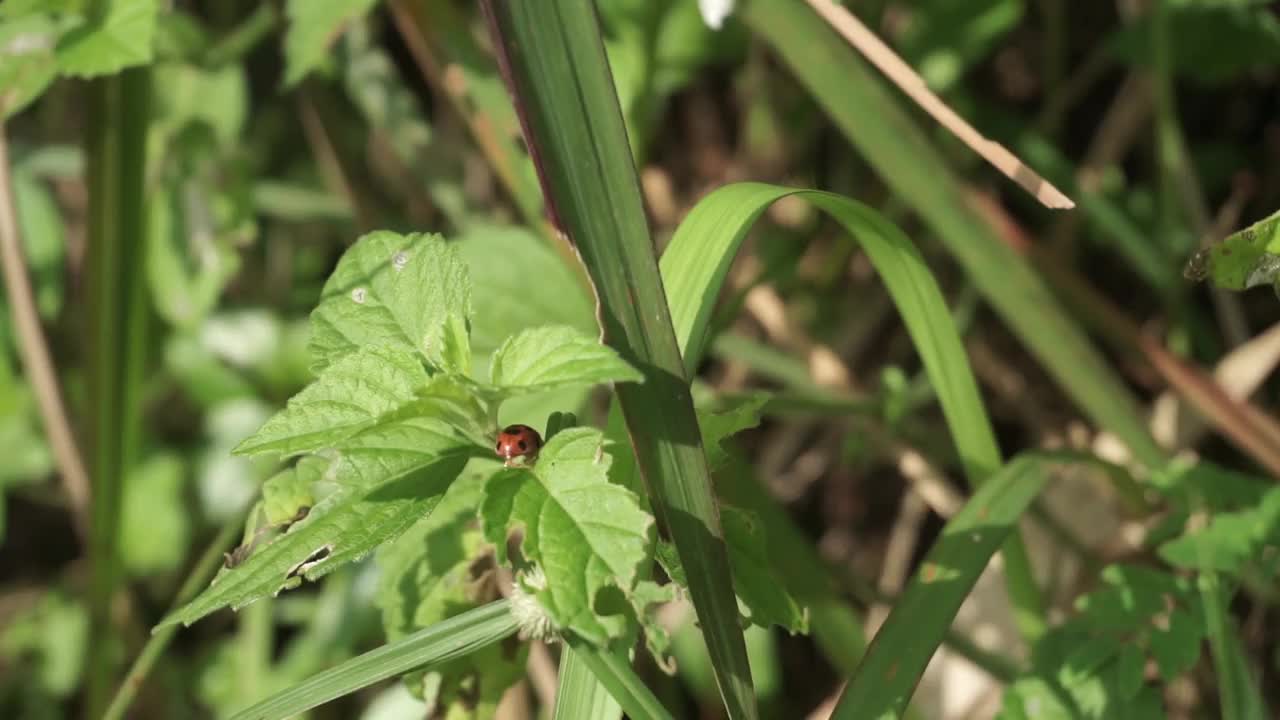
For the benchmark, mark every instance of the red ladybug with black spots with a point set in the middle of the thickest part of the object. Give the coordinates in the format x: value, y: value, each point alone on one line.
x: 518, y: 441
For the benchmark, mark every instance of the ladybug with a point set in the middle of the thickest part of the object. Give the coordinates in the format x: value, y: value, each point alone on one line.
x: 518, y: 441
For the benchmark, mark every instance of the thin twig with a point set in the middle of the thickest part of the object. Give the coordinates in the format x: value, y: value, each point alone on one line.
x: 883, y: 57
x: 36, y: 359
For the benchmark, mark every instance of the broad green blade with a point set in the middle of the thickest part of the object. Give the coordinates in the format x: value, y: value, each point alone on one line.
x: 888, y: 674
x: 555, y: 63
x: 439, y: 643
x: 580, y: 694
x: 117, y: 312
x: 614, y: 672
x: 874, y: 122
x: 694, y: 267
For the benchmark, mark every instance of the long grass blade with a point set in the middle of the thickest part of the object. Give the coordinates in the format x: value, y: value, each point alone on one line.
x: 893, y: 144
x: 887, y: 676
x: 699, y: 256
x: 554, y: 60
x: 614, y: 672
x: 442, y: 642
x: 580, y: 694
x: 117, y: 314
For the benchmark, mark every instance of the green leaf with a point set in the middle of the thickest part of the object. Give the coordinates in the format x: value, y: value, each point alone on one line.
x: 698, y: 259
x: 218, y: 98
x: 893, y: 664
x: 1245, y: 38
x: 766, y: 601
x: 121, y: 37
x: 1177, y: 649
x: 289, y: 493
x: 585, y: 533
x: 902, y: 154
x: 314, y: 25
x: 431, y: 574
x: 717, y: 426
x: 184, y: 295
x: 27, y: 61
x: 1229, y: 541
x: 342, y: 528
x: 48, y: 639
x: 456, y: 637
x: 351, y: 395
x: 1130, y: 668
x: 410, y: 292
x: 502, y: 260
x: 155, y: 527
x: 547, y: 358
x: 761, y: 598
x: 1244, y: 259
x: 616, y: 674
x: 1034, y: 698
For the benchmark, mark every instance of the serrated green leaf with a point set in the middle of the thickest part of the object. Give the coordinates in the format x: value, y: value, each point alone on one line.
x: 431, y: 574
x: 120, y: 38
x: 1131, y: 596
x: 1034, y: 699
x: 343, y: 527
x: 1129, y: 670
x: 314, y: 25
x: 1244, y: 259
x: 351, y: 395
x: 394, y: 290
x: 1177, y: 648
x: 761, y: 598
x: 555, y: 356
x: 288, y: 492
x: 1229, y: 540
x: 414, y: 568
x: 717, y: 426
x: 646, y: 597
x: 27, y: 61
x: 766, y: 600
x: 585, y: 533
x: 502, y: 260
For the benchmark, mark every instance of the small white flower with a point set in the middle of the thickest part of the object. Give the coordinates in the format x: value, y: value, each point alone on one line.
x: 714, y: 12
x: 531, y: 617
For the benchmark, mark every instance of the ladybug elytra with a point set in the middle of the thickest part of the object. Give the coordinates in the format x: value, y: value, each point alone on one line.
x: 518, y: 441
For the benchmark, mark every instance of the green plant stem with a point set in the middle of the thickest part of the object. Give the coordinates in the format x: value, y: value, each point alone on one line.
x: 199, y: 576
x: 554, y: 60
x: 117, y: 313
